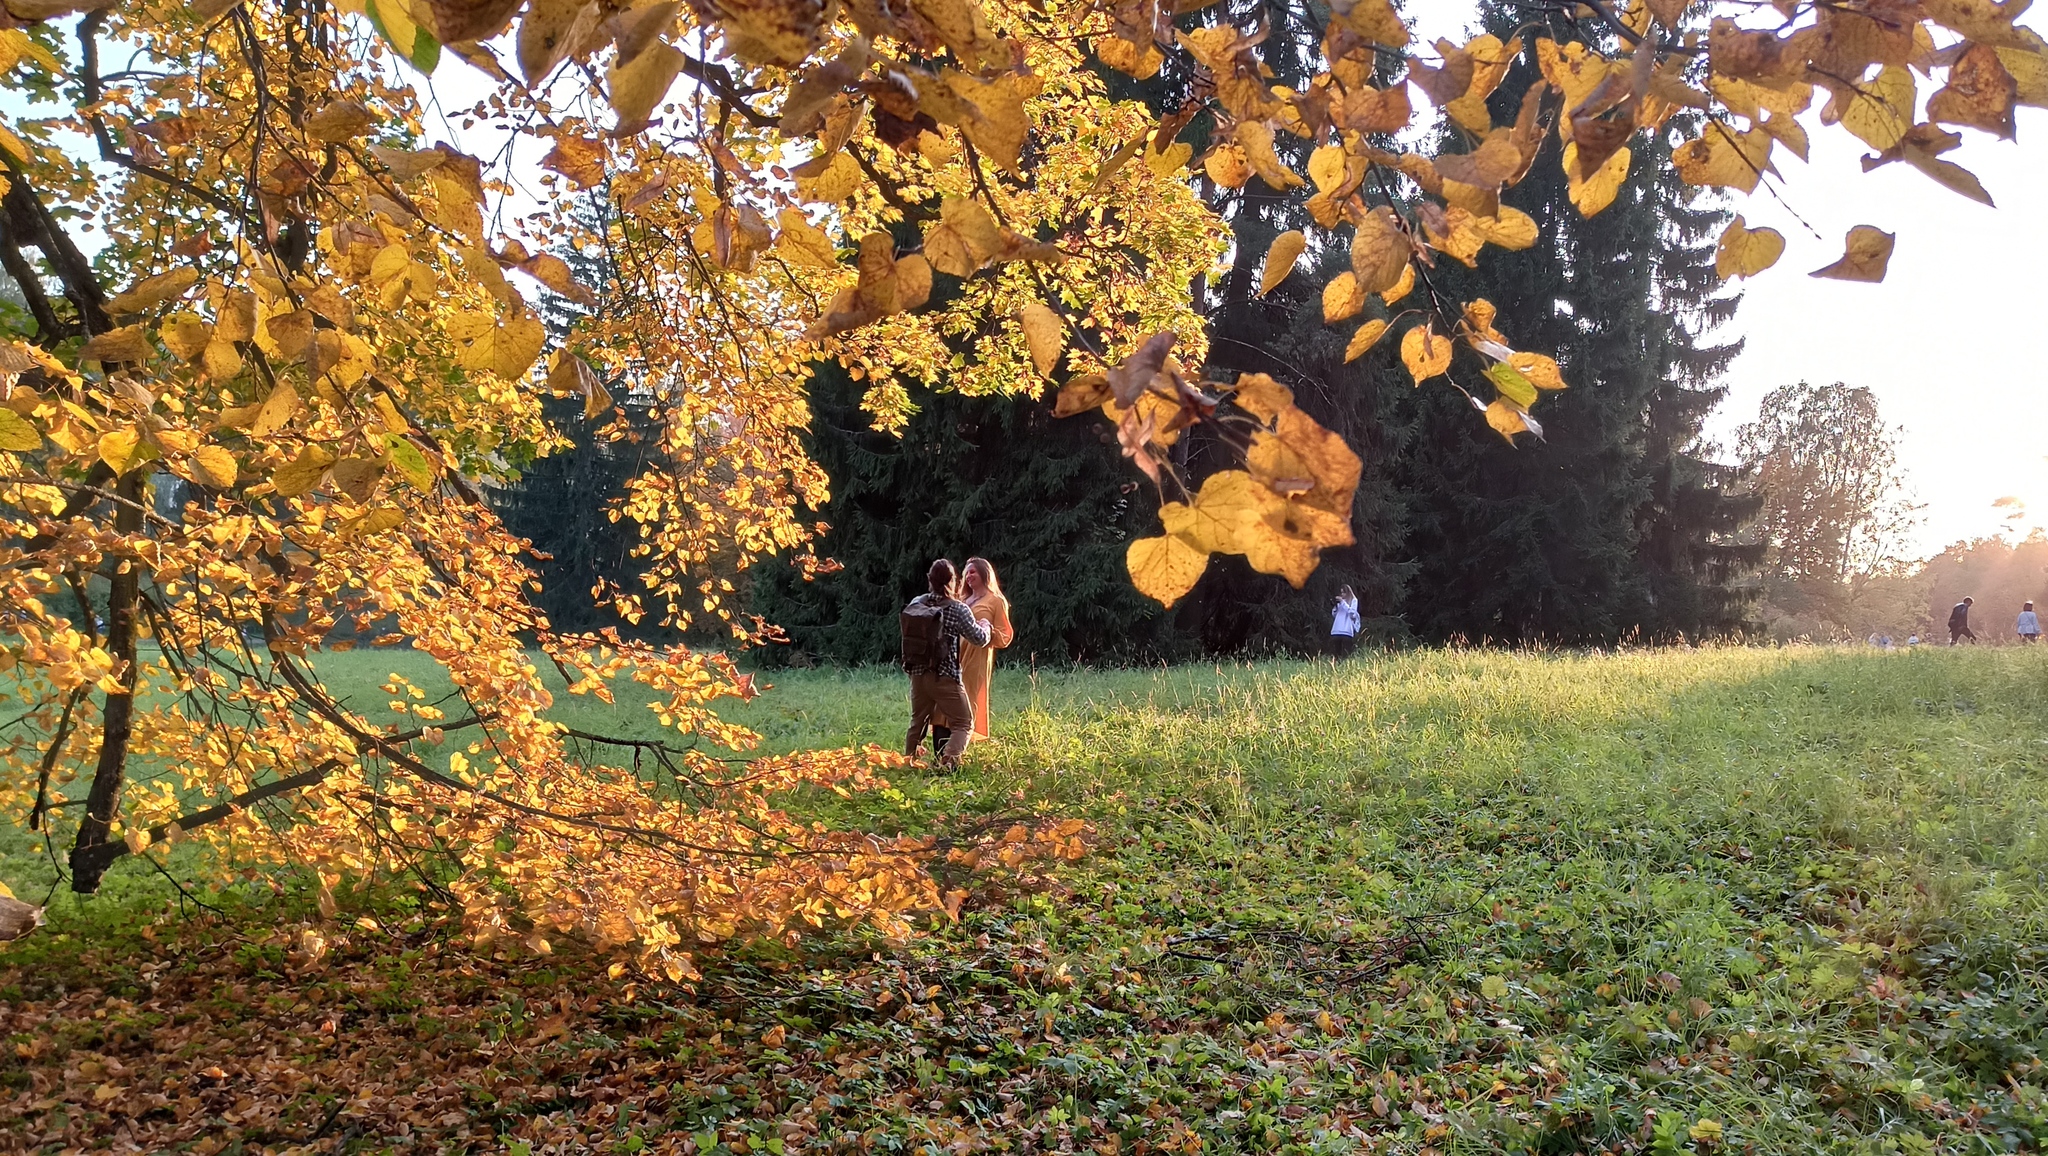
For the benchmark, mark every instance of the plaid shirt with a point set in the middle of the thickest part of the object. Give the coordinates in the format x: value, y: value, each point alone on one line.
x: 955, y: 623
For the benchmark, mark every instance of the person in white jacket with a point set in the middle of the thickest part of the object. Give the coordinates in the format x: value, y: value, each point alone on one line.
x: 1345, y: 623
x: 2029, y: 626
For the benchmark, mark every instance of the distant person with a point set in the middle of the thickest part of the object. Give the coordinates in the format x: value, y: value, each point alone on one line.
x: 1959, y: 622
x: 1345, y: 623
x: 977, y: 663
x: 934, y: 624
x: 1886, y: 642
x: 2028, y: 627
x: 1912, y: 640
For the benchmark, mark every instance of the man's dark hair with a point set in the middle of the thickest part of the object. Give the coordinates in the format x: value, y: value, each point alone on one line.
x: 942, y: 576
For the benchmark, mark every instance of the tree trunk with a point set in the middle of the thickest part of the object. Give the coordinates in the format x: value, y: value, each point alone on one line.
x: 117, y: 723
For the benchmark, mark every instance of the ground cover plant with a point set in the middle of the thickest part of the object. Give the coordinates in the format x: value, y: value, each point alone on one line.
x: 1709, y: 901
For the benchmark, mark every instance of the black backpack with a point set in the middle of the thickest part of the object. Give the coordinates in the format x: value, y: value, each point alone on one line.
x: 923, y: 632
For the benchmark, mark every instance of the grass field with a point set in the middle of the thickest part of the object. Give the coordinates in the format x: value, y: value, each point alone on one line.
x: 1661, y: 901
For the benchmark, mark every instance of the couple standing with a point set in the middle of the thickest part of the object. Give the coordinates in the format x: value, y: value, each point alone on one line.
x: 950, y: 637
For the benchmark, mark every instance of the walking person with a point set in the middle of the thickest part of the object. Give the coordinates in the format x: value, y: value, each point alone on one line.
x: 2029, y: 625
x: 934, y: 624
x: 986, y: 602
x: 1345, y: 623
x: 1959, y: 622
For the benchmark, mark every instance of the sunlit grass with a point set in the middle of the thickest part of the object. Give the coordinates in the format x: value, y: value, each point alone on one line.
x: 1796, y: 892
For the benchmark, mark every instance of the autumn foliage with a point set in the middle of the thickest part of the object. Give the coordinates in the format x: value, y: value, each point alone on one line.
x: 256, y: 259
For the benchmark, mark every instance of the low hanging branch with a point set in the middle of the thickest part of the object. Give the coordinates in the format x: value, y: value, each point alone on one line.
x: 334, y: 337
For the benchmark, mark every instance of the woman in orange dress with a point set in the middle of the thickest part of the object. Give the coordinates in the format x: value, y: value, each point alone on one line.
x: 977, y: 663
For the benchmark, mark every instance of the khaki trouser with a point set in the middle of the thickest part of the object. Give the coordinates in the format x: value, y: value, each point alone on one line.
x: 946, y: 697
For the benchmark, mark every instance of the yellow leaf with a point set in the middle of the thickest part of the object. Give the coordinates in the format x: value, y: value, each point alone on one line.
x: 1164, y: 568
x: 186, y: 335
x: 1045, y: 334
x: 389, y: 415
x: 119, y: 449
x: 1140, y: 62
x: 130, y: 343
x: 1171, y: 161
x: 2028, y: 67
x: 1506, y: 420
x: 1402, y: 287
x: 635, y: 89
x: 1510, y: 229
x: 1540, y: 371
x: 1425, y: 353
x: 1598, y: 191
x: 411, y: 464
x: 153, y: 291
x: 1228, y: 508
x: 1379, y: 251
x: 17, y: 434
x: 1329, y: 167
x: 1745, y: 252
x: 302, y: 473
x: 507, y: 350
x: 548, y: 32
x: 802, y: 243
x: 339, y: 121
x: 373, y: 522
x: 1375, y: 20
x: 1342, y: 298
x: 1227, y: 165
x: 1256, y: 140
x: 1285, y: 250
x: 221, y: 359
x: 1866, y: 253
x: 997, y: 124
x: 214, y: 466
x: 277, y: 411
x: 1082, y: 394
x: 1878, y: 111
x: 779, y: 33
x: 833, y: 181
x: 1367, y: 336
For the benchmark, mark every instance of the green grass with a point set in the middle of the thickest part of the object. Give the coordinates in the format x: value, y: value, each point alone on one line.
x: 1453, y: 901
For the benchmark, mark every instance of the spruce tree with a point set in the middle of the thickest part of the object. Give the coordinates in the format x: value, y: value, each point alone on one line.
x: 1046, y: 500
x: 1605, y: 527
x: 561, y: 502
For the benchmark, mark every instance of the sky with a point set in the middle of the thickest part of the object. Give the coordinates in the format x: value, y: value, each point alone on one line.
x: 1946, y: 341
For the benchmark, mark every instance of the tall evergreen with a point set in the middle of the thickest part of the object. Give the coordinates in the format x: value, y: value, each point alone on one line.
x: 561, y: 502
x: 1234, y: 608
x: 1701, y: 573
x: 1609, y: 527
x: 1047, y: 501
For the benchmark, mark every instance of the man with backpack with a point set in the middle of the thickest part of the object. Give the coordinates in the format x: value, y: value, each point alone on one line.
x: 1959, y: 622
x: 933, y: 625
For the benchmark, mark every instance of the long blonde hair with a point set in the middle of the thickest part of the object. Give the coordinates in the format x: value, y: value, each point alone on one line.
x: 989, y: 584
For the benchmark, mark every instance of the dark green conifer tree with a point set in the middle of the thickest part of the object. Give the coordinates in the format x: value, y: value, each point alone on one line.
x: 1607, y: 527
x: 1048, y: 502
x: 560, y: 503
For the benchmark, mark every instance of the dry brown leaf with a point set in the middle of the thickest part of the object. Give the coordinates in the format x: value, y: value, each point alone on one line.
x: 1745, y: 252
x: 1285, y: 250
x: 1866, y: 253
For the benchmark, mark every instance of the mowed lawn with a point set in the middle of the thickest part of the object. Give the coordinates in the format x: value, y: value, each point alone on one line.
x: 1719, y: 900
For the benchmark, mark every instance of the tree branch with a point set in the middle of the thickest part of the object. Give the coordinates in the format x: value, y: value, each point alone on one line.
x: 98, y: 858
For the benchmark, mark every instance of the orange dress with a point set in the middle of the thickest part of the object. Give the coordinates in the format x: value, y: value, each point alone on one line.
x: 977, y: 663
